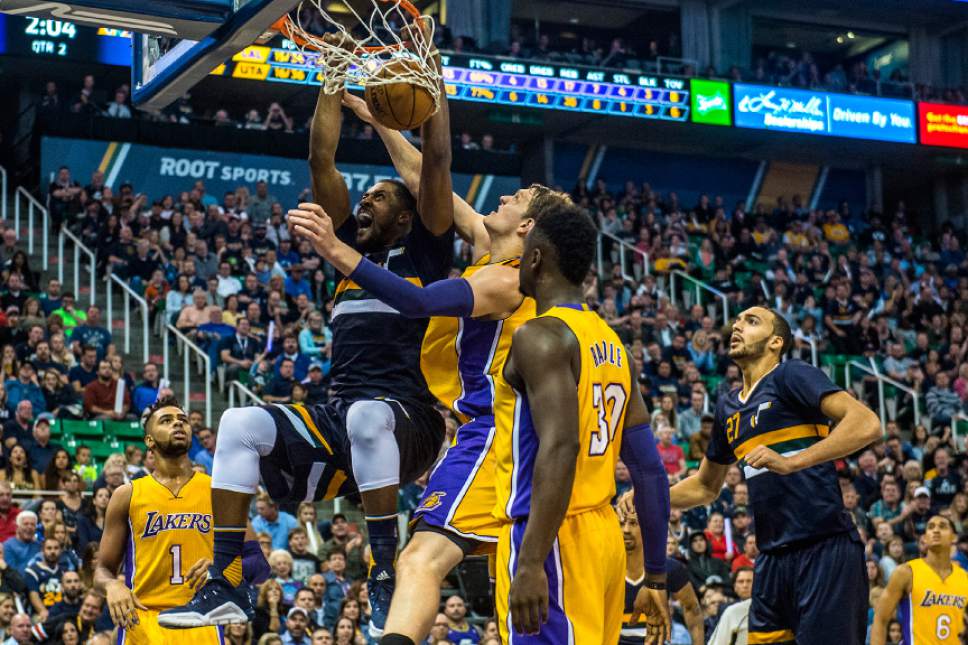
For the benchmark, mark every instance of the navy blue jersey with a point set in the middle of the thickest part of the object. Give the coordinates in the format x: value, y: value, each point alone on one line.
x: 677, y: 577
x: 45, y: 581
x: 783, y: 413
x: 376, y: 351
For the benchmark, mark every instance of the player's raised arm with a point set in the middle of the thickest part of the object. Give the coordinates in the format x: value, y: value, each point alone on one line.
x: 542, y: 357
x: 121, y: 601
x: 897, y: 587
x: 329, y: 188
x: 492, y: 291
x: 435, y: 202
x: 407, y: 161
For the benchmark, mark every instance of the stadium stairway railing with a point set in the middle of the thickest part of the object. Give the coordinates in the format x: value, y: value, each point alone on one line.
x: 700, y: 287
x: 244, y: 395
x: 634, y: 261
x: 129, y: 295
x: 34, y: 207
x: 203, y: 366
x: 887, y: 390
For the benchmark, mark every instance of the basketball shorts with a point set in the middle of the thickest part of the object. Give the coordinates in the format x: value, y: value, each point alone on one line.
x: 149, y: 632
x: 311, y: 459
x: 460, y: 495
x: 814, y: 594
x: 586, y: 581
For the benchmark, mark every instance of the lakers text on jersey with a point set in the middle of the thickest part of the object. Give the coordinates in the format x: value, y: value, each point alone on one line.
x: 935, y: 610
x: 167, y: 534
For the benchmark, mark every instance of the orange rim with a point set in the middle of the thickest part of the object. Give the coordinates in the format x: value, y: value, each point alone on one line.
x: 282, y: 26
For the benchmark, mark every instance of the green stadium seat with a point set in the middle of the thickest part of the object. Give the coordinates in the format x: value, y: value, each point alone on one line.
x: 123, y: 430
x: 83, y: 429
x: 56, y: 428
x: 101, y: 450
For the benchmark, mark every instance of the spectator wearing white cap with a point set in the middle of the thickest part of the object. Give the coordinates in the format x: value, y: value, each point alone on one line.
x: 297, y: 621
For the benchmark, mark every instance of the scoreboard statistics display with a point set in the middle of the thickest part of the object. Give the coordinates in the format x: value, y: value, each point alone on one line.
x: 503, y: 82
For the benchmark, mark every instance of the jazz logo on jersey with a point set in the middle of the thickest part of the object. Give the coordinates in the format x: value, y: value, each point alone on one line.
x: 761, y: 408
x: 932, y: 599
x: 432, y: 501
x: 606, y: 352
x: 156, y: 523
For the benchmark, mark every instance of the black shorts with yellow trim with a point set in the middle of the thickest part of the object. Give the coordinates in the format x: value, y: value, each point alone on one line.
x: 811, y: 594
x: 311, y: 458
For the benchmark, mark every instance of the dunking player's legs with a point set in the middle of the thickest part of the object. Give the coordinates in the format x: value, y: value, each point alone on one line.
x: 245, y: 435
x: 375, y: 455
x: 421, y: 570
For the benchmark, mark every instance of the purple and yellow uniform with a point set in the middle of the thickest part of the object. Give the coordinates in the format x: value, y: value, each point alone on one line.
x: 460, y: 360
x: 167, y: 534
x: 586, y: 566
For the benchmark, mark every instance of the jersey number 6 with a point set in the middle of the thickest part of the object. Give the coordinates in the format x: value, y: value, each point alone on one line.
x: 610, y: 403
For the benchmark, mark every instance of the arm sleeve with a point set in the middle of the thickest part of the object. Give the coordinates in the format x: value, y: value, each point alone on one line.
x: 719, y: 449
x: 443, y: 298
x: 804, y: 384
x: 651, y: 484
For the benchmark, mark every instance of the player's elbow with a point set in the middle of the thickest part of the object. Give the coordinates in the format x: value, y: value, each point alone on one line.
x: 870, y: 425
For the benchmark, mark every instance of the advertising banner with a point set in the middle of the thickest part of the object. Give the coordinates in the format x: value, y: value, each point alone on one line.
x: 711, y: 102
x: 943, y: 125
x: 158, y: 171
x: 813, y: 112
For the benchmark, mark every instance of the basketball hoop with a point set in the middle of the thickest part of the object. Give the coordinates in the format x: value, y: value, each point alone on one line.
x: 364, y: 61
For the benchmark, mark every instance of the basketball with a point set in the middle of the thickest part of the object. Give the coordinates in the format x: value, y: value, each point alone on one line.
x: 399, y: 105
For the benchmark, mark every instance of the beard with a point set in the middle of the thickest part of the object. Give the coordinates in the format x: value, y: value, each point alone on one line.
x: 749, y: 351
x: 170, y: 451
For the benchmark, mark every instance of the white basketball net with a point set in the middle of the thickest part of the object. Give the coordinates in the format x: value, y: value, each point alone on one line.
x: 350, y: 59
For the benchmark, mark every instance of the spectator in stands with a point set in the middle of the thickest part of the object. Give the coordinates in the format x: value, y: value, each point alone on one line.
x: 699, y: 442
x: 64, y: 198
x: 348, y: 542
x: 943, y: 403
x: 212, y: 333
x: 239, y: 351
x: 44, y: 363
x: 92, y: 333
x: 206, y: 456
x: 19, y: 631
x: 89, y: 617
x: 118, y: 108
x: 43, y: 579
x: 290, y: 351
x: 19, y: 549
x: 273, y: 521
x: 72, y: 590
x: 69, y: 315
x: 19, y: 428
x: 198, y: 313
x: 25, y: 388
x: 887, y: 509
x: 317, y: 389
x: 228, y: 284
x: 945, y: 482
x: 8, y: 513
x: 41, y: 450
x: 18, y: 471
x: 35, y: 334
x: 260, y: 204
x: 688, y: 421
x: 297, y: 620
x: 276, y: 119
x: 279, y: 388
x: 459, y: 630
x: 700, y: 564
x: 304, y: 563
x: 90, y: 524
x: 672, y: 455
x: 85, y: 372
x: 147, y: 392
x: 297, y: 284
x: 101, y: 396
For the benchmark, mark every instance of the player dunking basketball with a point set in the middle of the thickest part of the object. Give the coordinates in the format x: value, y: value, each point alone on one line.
x: 564, y: 407
x: 160, y: 526
x: 810, y: 585
x: 380, y: 426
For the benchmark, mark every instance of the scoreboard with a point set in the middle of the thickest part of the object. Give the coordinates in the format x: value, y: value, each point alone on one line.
x: 502, y: 82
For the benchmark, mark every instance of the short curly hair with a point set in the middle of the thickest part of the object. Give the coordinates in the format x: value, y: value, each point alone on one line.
x: 569, y: 231
x: 166, y: 401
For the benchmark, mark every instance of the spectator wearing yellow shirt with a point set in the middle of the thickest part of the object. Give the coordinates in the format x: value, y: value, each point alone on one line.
x: 835, y: 231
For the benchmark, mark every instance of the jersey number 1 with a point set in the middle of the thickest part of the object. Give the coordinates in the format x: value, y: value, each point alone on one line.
x: 176, y: 574
x: 610, y: 403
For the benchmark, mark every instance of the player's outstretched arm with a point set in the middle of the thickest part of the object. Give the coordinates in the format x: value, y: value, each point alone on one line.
x: 121, y: 601
x: 435, y: 202
x: 700, y: 489
x: 490, y: 292
x: 543, y: 354
x: 855, y: 426
x: 329, y: 188
x: 897, y: 587
x: 407, y: 161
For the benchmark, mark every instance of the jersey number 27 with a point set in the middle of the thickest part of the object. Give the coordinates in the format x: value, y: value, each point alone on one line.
x: 609, y: 401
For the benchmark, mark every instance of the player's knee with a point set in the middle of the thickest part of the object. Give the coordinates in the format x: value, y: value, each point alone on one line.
x: 425, y: 556
x: 369, y: 422
x: 243, y: 429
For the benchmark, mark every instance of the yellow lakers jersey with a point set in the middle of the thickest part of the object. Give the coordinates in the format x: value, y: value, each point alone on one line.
x: 934, y: 612
x: 167, y: 535
x: 461, y: 357
x: 604, y: 386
